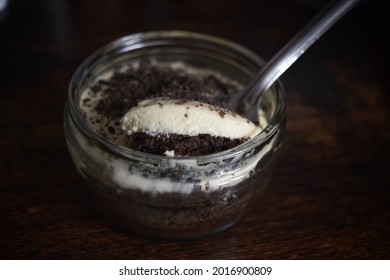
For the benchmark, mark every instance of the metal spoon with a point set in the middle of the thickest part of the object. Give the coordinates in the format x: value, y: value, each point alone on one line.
x: 246, y: 103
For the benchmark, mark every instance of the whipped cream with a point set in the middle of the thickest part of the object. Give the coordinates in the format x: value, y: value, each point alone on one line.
x: 186, y: 117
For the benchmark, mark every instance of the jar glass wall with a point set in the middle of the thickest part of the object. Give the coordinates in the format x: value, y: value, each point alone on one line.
x: 174, y: 197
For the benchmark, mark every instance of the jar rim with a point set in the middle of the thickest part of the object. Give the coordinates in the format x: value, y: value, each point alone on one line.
x: 134, y: 42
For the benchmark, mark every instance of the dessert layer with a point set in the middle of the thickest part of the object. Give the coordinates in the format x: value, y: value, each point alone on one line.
x: 113, y: 93
x: 181, y: 145
x: 186, y: 117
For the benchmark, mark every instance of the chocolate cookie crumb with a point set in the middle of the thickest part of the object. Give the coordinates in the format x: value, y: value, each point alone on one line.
x: 183, y: 145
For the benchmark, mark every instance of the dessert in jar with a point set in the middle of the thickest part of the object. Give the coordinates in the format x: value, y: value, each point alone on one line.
x: 159, y: 156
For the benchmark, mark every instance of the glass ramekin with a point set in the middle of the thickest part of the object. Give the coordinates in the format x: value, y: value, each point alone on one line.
x: 174, y: 197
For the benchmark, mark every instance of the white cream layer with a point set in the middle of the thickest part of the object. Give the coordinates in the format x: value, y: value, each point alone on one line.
x: 171, y: 116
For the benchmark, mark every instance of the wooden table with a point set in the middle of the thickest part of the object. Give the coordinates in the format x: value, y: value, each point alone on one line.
x: 329, y: 198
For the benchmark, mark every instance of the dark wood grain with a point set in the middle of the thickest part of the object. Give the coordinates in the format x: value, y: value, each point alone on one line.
x: 329, y: 198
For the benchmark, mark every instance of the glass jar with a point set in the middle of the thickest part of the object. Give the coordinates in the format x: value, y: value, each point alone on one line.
x: 174, y: 197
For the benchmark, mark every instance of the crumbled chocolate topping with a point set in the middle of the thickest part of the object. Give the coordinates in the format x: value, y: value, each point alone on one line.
x: 125, y: 89
x: 183, y: 145
x: 111, y: 129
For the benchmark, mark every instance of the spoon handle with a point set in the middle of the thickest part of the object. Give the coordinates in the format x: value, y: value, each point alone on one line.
x: 295, y: 48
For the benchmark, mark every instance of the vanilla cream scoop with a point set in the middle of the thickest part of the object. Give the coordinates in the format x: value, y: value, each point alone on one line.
x: 172, y: 116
